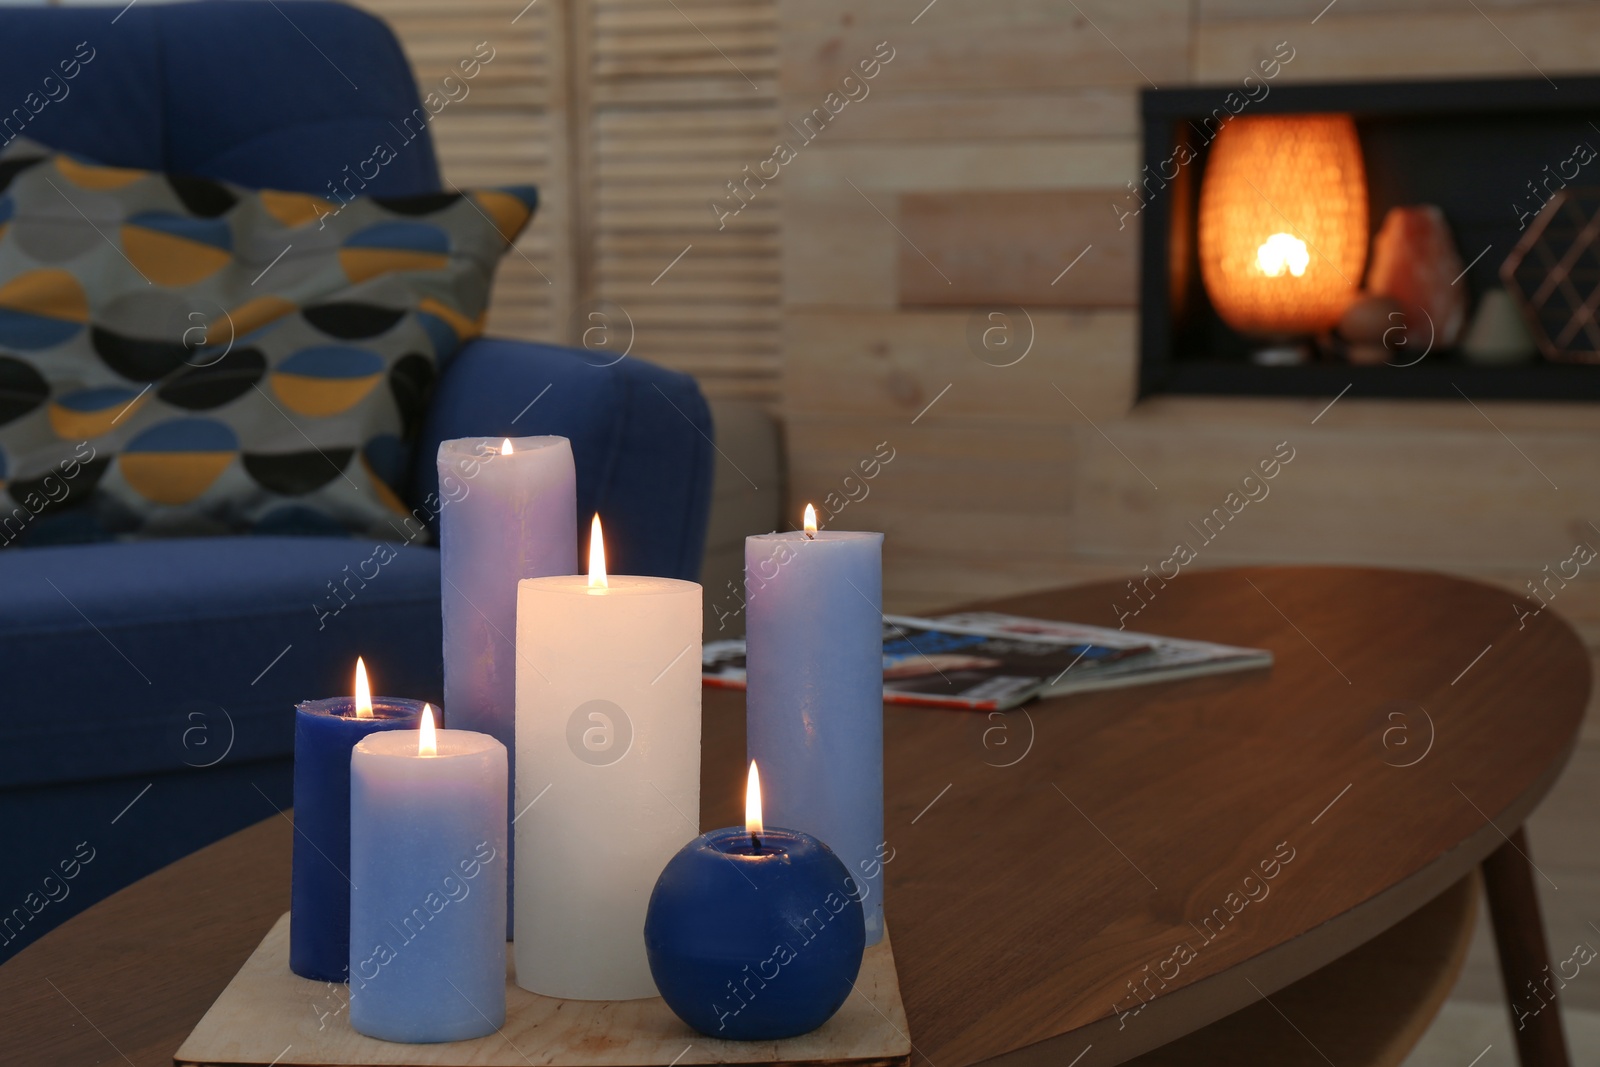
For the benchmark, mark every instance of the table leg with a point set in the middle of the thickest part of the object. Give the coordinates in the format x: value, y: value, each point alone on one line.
x: 1524, y: 957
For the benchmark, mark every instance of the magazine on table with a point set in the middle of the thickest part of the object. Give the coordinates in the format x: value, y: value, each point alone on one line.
x: 991, y: 661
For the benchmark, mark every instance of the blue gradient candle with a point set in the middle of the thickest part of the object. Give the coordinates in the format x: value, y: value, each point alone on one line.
x: 814, y: 636
x: 509, y: 511
x: 428, y: 905
x: 319, y: 890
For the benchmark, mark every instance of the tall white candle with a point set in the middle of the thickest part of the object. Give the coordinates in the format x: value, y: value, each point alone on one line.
x: 607, y: 771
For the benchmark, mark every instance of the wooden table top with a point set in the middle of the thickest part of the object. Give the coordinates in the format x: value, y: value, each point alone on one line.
x: 1048, y: 860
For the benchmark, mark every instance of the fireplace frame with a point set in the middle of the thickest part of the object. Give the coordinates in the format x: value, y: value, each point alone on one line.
x: 1170, y: 359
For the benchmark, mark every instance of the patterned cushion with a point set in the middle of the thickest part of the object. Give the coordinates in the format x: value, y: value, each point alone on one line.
x: 179, y: 356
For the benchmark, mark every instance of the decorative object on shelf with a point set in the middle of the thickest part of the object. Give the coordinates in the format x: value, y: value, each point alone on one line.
x: 1554, y: 275
x: 427, y: 897
x: 814, y: 691
x: 1369, y: 325
x: 319, y: 896
x: 1497, y: 334
x: 1283, y: 222
x: 755, y: 934
x: 608, y: 770
x: 1414, y: 260
x: 1287, y: 354
x: 509, y: 511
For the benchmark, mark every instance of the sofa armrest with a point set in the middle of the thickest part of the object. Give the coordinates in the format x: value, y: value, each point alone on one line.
x: 745, y: 499
x: 641, y: 439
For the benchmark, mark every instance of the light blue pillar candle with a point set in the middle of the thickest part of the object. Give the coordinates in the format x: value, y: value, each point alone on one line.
x: 505, y: 515
x: 814, y: 632
x: 428, y: 887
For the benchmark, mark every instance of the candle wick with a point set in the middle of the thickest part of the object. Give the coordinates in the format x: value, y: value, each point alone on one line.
x: 755, y: 842
x: 811, y: 535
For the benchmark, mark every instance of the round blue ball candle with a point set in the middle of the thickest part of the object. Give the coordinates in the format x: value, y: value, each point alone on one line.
x: 755, y: 934
x: 319, y: 886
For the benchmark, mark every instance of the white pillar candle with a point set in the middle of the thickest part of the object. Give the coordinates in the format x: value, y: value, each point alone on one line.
x: 607, y: 771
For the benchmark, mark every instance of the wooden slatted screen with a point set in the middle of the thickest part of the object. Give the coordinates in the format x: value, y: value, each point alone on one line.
x: 505, y: 130
x: 631, y: 116
x: 682, y: 95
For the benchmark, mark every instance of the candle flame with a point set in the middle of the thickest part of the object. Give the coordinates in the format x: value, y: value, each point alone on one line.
x: 363, y: 692
x: 505, y: 447
x: 811, y: 521
x: 597, y: 557
x: 752, y: 802
x: 427, y: 739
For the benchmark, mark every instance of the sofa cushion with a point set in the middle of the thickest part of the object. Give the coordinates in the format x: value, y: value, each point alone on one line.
x: 212, y: 360
x: 131, y: 658
x: 263, y: 94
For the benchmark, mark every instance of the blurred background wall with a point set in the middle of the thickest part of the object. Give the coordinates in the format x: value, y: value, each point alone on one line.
x: 848, y: 289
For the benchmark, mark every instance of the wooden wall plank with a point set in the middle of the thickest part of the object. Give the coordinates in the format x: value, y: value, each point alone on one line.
x: 1220, y: 10
x: 1448, y: 500
x: 893, y: 365
x: 1046, y: 248
x: 977, y: 165
x: 838, y: 250
x: 888, y: 113
x: 1001, y: 44
x: 1522, y: 42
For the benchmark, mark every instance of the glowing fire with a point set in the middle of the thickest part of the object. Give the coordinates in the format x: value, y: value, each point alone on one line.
x: 1283, y: 253
x: 505, y: 447
x: 811, y: 521
x: 363, y: 692
x: 427, y: 739
x: 752, y: 801
x: 597, y: 557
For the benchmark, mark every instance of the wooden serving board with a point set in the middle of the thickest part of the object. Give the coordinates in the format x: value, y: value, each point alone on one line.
x: 268, y: 1016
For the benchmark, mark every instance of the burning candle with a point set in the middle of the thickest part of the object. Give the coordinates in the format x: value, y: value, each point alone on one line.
x: 608, y: 770
x: 814, y: 705
x: 755, y: 933
x: 428, y: 900
x: 319, y: 891
x: 510, y: 513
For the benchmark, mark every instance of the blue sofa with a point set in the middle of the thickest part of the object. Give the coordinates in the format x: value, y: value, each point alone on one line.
x: 149, y: 685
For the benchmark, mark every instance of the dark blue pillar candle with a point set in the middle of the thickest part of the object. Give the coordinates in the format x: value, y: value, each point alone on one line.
x: 755, y: 942
x: 319, y: 895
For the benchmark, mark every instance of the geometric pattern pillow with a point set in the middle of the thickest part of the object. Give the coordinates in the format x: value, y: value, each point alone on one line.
x: 181, y: 356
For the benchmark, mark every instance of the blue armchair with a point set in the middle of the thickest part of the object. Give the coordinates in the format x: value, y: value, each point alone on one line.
x: 150, y: 684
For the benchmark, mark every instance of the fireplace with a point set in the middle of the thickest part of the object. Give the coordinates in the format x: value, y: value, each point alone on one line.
x: 1487, y: 153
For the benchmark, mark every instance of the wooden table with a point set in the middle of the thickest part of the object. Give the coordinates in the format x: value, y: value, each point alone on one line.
x: 1047, y: 863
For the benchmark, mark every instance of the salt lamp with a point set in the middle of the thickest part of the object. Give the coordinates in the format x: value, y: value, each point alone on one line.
x: 1414, y: 260
x: 1283, y: 222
